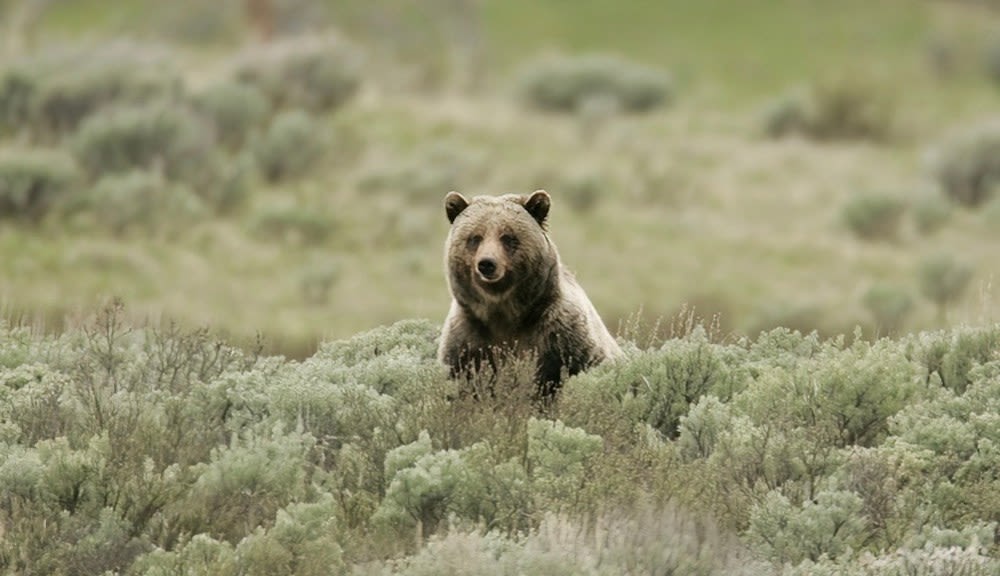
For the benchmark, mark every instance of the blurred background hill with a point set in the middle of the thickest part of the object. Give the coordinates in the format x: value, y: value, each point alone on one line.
x: 277, y: 167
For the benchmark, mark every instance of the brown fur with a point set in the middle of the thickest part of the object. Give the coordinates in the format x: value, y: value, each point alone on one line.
x: 511, y: 294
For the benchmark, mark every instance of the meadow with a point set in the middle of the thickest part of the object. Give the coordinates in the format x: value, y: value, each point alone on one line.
x: 788, y: 212
x: 689, y: 203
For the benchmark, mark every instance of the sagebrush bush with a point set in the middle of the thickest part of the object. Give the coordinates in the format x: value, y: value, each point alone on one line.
x: 967, y: 165
x: 293, y: 224
x: 317, y: 74
x: 17, y: 88
x: 874, y: 216
x: 657, y: 386
x: 970, y: 561
x: 785, y: 116
x: 33, y: 181
x: 572, y: 83
x: 951, y: 359
x: 291, y: 146
x: 245, y: 483
x: 943, y: 280
x: 51, y: 94
x: 845, y: 403
x: 583, y: 191
x: 136, y: 450
x: 833, y: 109
x: 829, y: 526
x: 236, y: 111
x: 137, y: 201
x: 158, y: 137
x: 203, y: 23
x: 850, y: 109
x: 889, y: 307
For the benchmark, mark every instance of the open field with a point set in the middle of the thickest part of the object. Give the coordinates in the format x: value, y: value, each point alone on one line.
x: 267, y: 401
x: 688, y: 204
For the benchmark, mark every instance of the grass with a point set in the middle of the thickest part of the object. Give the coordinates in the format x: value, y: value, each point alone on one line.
x: 756, y: 46
x: 697, y: 202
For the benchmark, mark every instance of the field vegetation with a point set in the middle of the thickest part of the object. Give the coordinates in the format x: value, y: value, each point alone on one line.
x: 788, y: 212
x: 769, y: 164
x: 139, y: 450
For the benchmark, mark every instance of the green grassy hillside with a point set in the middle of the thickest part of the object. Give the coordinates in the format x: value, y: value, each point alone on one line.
x: 687, y: 205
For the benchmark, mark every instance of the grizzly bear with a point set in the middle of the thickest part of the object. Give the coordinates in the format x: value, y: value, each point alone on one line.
x: 511, y: 293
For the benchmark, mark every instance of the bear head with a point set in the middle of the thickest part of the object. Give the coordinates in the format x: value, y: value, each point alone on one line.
x: 498, y: 249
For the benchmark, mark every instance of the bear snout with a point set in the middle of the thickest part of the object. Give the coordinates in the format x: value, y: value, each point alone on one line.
x: 487, y: 268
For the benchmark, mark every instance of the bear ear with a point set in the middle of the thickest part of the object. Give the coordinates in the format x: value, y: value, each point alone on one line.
x: 538, y: 206
x: 454, y: 204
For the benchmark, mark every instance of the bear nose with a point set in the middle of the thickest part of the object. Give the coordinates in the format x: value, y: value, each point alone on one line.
x: 487, y: 267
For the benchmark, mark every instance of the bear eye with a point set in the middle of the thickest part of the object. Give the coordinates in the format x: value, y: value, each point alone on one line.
x: 473, y: 241
x: 509, y: 241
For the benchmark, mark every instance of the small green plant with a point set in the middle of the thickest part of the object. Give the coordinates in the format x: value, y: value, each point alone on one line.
x: 785, y: 116
x: 138, y: 200
x: 235, y: 109
x: 292, y: 224
x: 943, y: 280
x: 290, y: 148
x: 17, y: 88
x: 833, y: 109
x: 829, y: 526
x: 201, y: 23
x: 33, y: 181
x: 889, y: 307
x: 658, y: 387
x: 317, y: 74
x: 157, y: 137
x: 967, y: 166
x: 583, y: 190
x: 874, y: 216
x: 850, y: 109
x: 570, y: 83
x: 51, y: 94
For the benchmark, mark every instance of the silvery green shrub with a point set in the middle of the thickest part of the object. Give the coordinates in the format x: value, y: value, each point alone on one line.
x: 657, y: 386
x: 291, y: 147
x: 34, y: 181
x: 943, y: 279
x: 315, y: 73
x: 50, y: 94
x: 889, y: 307
x: 570, y: 83
x: 236, y: 110
x: 874, y: 216
x: 138, y: 201
x: 829, y: 526
x: 159, y: 137
x: 831, y: 109
x: 967, y: 164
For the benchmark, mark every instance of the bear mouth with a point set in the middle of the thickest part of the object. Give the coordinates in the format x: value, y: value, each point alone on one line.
x: 497, y: 284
